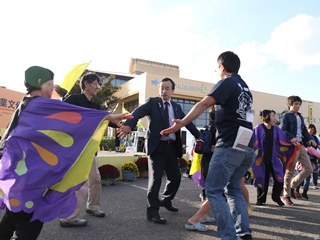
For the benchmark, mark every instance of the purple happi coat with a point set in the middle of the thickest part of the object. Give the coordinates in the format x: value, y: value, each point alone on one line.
x: 48, y: 156
x: 283, y: 153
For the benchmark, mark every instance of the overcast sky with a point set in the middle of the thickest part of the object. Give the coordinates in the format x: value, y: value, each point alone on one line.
x: 278, y: 42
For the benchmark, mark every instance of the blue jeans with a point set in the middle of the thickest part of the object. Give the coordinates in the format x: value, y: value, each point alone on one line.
x: 226, y: 170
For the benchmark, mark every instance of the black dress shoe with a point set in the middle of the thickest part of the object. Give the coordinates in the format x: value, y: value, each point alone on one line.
x: 247, y: 236
x: 278, y: 201
x: 171, y: 208
x: 156, y: 219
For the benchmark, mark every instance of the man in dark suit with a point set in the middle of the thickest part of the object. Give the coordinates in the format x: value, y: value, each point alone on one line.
x: 163, y: 151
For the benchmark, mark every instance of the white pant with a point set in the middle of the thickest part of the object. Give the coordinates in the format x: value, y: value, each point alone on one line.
x: 92, y: 187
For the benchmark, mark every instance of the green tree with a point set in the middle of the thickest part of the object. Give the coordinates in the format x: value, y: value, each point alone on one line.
x: 62, y: 92
x: 105, y: 94
x: 278, y: 122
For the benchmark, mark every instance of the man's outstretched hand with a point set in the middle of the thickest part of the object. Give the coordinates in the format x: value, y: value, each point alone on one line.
x: 117, y: 118
x: 123, y: 131
x: 174, y: 128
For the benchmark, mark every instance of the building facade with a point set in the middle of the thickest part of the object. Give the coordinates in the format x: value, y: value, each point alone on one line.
x: 145, y: 76
x: 9, y: 101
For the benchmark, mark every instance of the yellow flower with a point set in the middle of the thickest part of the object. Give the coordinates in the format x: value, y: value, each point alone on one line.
x: 130, y: 166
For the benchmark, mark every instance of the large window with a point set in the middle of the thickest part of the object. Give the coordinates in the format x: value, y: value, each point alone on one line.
x: 186, y: 105
x: 116, y: 82
x: 130, y: 106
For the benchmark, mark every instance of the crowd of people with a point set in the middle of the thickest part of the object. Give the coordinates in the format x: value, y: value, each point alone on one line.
x: 272, y: 151
x: 287, y: 153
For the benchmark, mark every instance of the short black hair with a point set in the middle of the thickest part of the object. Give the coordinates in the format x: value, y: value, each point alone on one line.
x: 314, y: 127
x: 169, y: 80
x: 292, y: 99
x: 89, y: 77
x: 265, y: 115
x: 230, y: 61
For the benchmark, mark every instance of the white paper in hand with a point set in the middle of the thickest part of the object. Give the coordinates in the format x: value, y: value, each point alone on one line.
x: 243, y: 138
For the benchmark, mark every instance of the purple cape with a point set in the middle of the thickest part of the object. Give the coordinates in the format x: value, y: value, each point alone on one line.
x: 47, y: 157
x: 282, y: 154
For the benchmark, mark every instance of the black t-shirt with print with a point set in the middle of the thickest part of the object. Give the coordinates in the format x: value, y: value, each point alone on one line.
x: 234, y: 100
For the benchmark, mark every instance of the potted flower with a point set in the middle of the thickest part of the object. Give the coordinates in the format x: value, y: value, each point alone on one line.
x: 108, y: 174
x: 142, y: 164
x: 129, y: 170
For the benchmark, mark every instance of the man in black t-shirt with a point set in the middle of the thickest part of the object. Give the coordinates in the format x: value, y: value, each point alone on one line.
x: 233, y: 100
x: 89, y: 86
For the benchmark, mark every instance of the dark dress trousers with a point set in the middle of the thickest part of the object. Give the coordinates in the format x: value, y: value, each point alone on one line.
x: 162, y: 154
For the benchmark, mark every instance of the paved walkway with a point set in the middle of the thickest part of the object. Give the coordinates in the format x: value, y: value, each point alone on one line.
x: 125, y: 206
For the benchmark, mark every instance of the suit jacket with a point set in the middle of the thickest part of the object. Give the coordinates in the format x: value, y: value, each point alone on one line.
x: 154, y: 109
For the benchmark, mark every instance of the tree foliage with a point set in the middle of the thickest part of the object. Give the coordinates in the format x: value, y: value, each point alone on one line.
x: 281, y: 115
x: 105, y: 94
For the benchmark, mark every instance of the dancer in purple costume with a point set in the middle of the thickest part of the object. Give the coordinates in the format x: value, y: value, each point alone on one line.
x: 272, y: 149
x: 44, y: 157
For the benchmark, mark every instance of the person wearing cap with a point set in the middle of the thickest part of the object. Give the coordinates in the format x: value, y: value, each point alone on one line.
x: 35, y: 166
x: 92, y: 188
x: 39, y: 82
x: 269, y: 140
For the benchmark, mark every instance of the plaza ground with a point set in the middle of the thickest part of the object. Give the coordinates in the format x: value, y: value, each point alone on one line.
x: 125, y: 207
